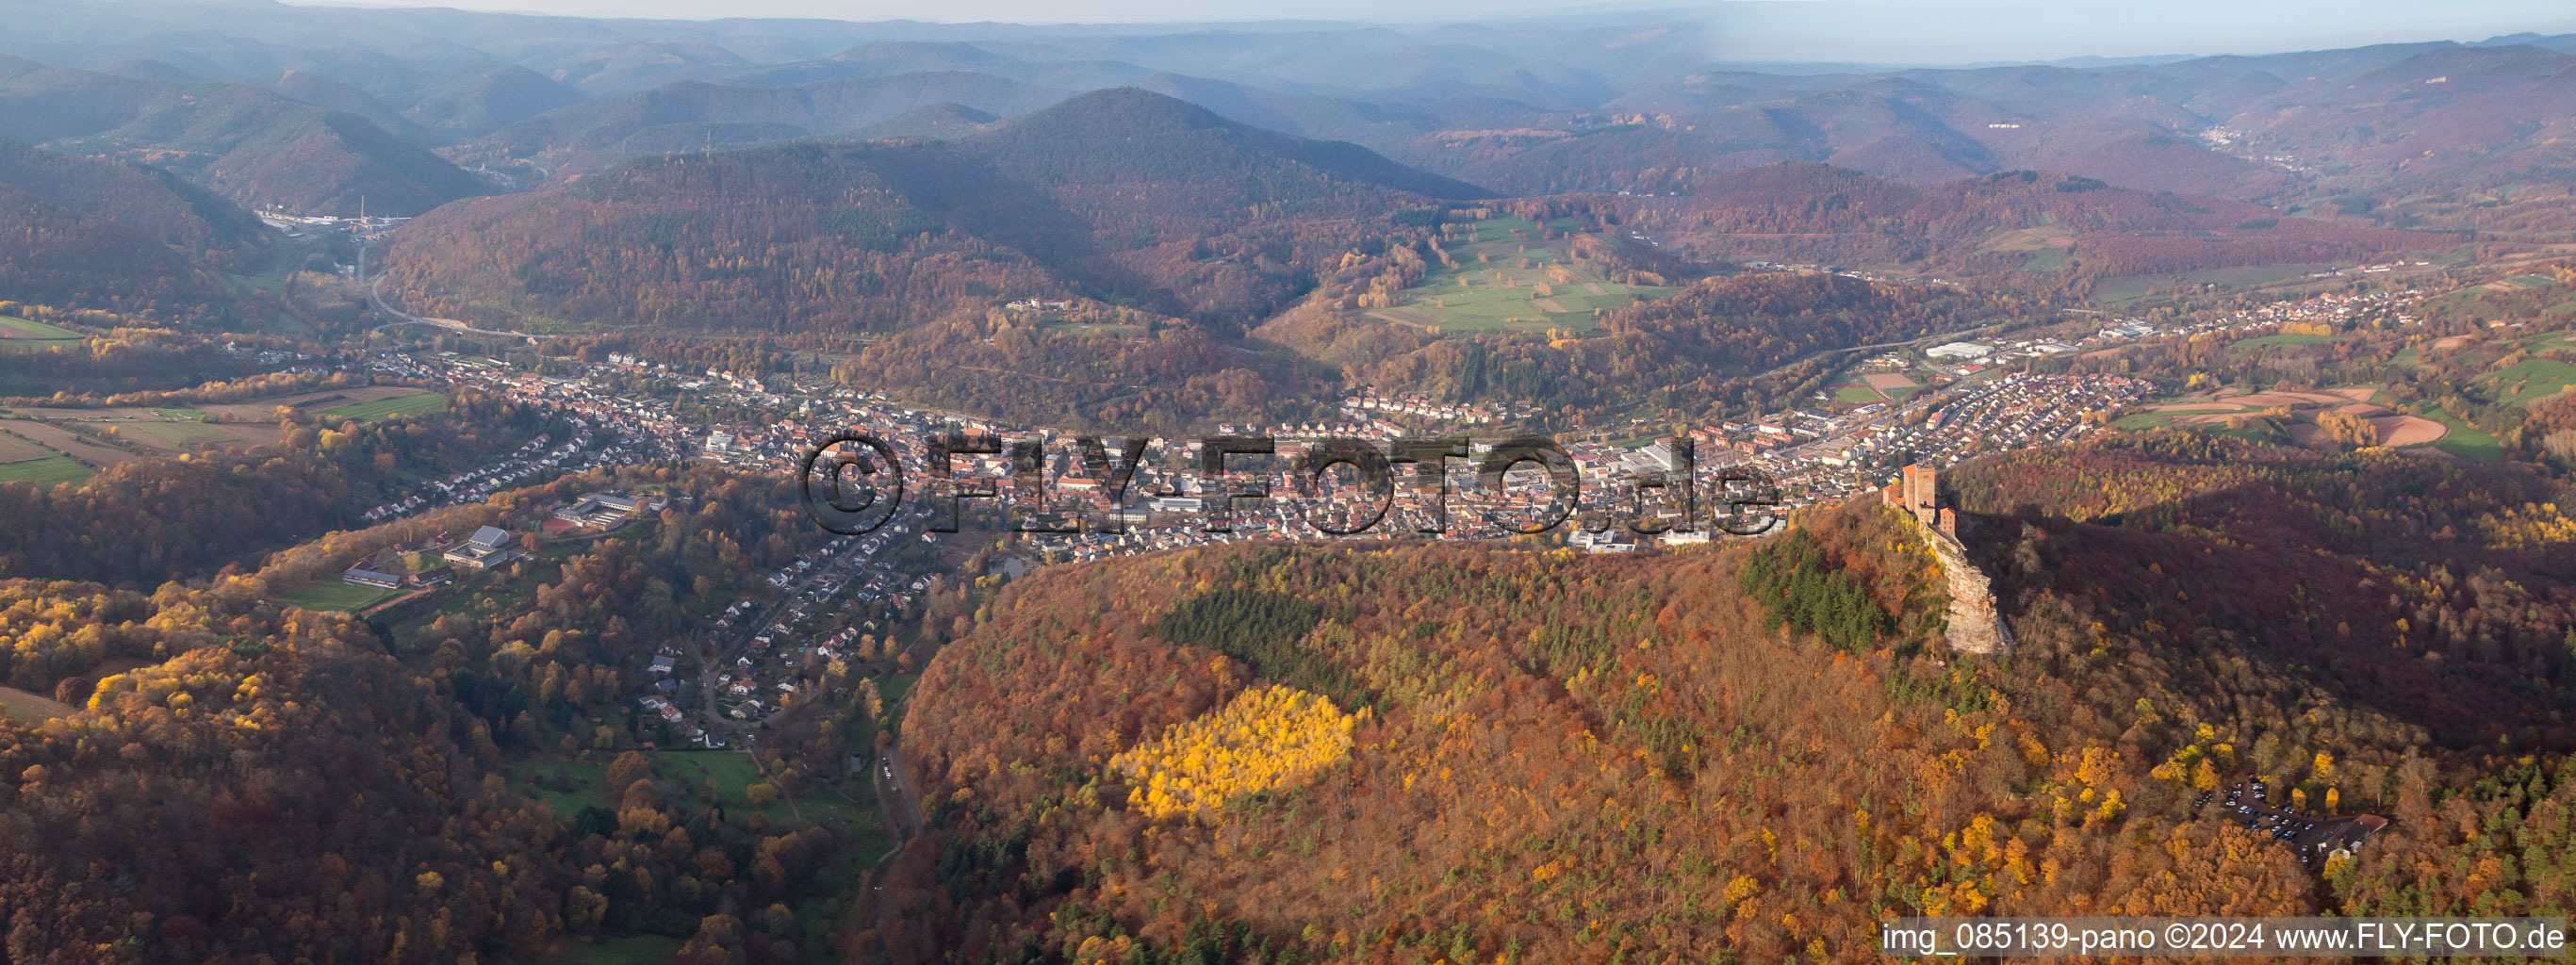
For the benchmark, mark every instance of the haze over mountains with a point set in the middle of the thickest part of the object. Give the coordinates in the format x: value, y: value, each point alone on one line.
x: 1618, y: 102
x: 1255, y: 204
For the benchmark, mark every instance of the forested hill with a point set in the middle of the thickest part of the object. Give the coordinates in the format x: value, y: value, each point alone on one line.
x: 1746, y: 752
x: 2020, y: 228
x: 2424, y: 593
x: 1125, y: 135
x: 100, y: 234
x: 147, y: 201
x: 250, y: 145
x: 1124, y: 196
x: 697, y: 116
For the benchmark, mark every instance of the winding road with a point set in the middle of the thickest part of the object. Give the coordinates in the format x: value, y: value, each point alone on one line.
x: 376, y: 297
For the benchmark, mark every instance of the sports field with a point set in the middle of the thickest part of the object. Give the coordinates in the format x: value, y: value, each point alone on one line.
x: 333, y: 594
x: 389, y: 406
x: 1492, y: 290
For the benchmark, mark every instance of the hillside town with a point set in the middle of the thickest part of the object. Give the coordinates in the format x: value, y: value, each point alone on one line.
x: 1935, y: 405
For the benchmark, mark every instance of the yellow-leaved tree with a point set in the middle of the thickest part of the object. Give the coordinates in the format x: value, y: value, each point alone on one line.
x: 1263, y: 738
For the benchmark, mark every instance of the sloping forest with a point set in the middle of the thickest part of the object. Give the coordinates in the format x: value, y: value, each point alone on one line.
x: 243, y: 782
x: 1124, y: 196
x: 1753, y: 752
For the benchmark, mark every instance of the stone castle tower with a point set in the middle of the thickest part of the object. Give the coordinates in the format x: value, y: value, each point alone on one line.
x: 1972, y: 624
x: 1918, y: 491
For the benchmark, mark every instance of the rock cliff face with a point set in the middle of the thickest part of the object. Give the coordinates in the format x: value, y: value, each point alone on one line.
x: 1972, y: 625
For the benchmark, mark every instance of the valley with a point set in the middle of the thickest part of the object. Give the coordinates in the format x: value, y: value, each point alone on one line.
x: 1548, y: 487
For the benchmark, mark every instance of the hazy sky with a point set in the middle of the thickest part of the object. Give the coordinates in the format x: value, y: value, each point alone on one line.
x: 1884, y: 31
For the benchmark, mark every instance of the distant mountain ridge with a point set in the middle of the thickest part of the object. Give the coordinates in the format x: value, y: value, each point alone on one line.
x: 248, y: 144
x: 2013, y: 229
x: 1121, y: 195
x: 693, y: 115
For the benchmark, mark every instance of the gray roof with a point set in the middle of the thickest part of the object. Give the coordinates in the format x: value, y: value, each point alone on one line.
x: 489, y: 537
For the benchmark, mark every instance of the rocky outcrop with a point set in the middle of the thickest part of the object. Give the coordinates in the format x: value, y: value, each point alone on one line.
x: 1972, y: 625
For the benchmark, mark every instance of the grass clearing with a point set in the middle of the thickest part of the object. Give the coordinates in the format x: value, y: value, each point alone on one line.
x: 2257, y: 429
x: 1502, y: 295
x: 2043, y: 248
x: 387, y: 407
x: 1858, y: 394
x: 30, y: 706
x: 2532, y: 380
x: 2464, y: 439
x: 570, y: 785
x: 50, y: 469
x: 179, y: 436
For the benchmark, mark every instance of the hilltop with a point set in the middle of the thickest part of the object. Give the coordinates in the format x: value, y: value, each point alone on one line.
x: 88, y: 233
x: 1747, y: 750
x: 700, y: 116
x: 1124, y: 196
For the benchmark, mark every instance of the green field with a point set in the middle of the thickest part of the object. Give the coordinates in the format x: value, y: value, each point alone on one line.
x: 336, y: 595
x: 2128, y: 289
x: 2532, y: 380
x: 178, y: 435
x: 2464, y: 439
x: 387, y: 407
x: 1858, y: 393
x: 688, y: 772
x: 2249, y: 344
x: 26, y: 334
x: 2256, y: 429
x: 50, y: 469
x: 1501, y: 296
x: 2044, y: 247
x: 637, y: 950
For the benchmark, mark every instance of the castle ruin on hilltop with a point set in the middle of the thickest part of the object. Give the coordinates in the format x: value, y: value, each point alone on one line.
x: 1971, y: 625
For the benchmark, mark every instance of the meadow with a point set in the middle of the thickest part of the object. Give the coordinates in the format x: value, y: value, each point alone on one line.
x: 49, y: 469
x: 19, y: 333
x: 414, y: 404
x: 1491, y: 291
x: 691, y: 773
x: 2284, y: 338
